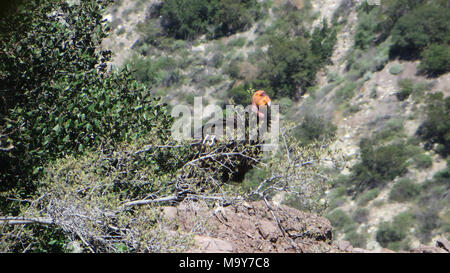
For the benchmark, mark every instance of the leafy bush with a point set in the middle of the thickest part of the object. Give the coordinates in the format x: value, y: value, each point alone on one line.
x: 393, y: 235
x: 435, y: 59
x: 368, y: 196
x: 396, y: 69
x: 356, y: 239
x: 235, y: 15
x: 186, y: 19
x: 217, y: 60
x: 359, y: 61
x: 290, y: 67
x: 346, y: 92
x: 240, y: 94
x: 379, y: 164
x: 314, y: 127
x: 404, y: 190
x: 60, y: 100
x: 233, y: 69
x: 367, y: 28
x: 361, y: 215
x: 294, y: 56
x: 428, y: 220
x: 285, y: 104
x: 322, y: 41
x: 341, y: 220
x: 156, y: 71
x: 420, y: 28
x: 422, y: 161
x: 239, y: 42
x: 406, y: 88
x: 431, y: 212
x: 436, y: 127
x: 393, y: 129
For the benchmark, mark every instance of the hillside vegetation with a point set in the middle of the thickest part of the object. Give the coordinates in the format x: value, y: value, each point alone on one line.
x: 89, y: 163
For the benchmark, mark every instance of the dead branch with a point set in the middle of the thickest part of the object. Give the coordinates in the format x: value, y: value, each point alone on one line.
x: 11, y: 220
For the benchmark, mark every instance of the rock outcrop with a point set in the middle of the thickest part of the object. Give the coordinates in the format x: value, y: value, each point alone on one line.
x: 265, y: 227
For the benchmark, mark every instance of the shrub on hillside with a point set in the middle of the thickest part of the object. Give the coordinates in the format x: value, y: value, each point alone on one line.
x: 366, y: 29
x: 404, y: 190
x: 420, y: 28
x: 356, y: 239
x: 361, y: 215
x: 314, y: 127
x: 393, y: 235
x: 346, y: 92
x: 396, y: 69
x: 435, y: 130
x: 290, y: 67
x: 341, y: 220
x: 186, y: 19
x: 322, y: 41
x: 435, y: 59
x: 368, y: 196
x: 379, y: 164
x: 422, y: 161
x: 240, y: 94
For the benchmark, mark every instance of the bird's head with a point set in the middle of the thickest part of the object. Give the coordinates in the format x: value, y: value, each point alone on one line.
x: 260, y: 99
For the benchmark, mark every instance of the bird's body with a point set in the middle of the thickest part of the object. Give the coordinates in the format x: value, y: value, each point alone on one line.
x: 217, y: 128
x: 213, y: 135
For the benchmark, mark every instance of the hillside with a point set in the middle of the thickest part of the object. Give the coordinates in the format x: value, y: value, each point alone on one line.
x: 91, y: 163
x: 371, y: 108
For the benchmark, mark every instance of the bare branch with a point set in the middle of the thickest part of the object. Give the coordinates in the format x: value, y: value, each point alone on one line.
x: 149, y: 201
x: 11, y: 220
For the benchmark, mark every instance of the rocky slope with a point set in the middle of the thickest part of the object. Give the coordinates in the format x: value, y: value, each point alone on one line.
x: 264, y: 227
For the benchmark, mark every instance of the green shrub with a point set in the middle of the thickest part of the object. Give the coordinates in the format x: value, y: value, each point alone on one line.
x: 368, y: 196
x: 396, y: 69
x: 393, y: 235
x: 186, y: 19
x: 436, y: 127
x: 240, y: 94
x: 289, y: 69
x: 314, y: 127
x: 406, y: 88
x: 404, y: 190
x: 336, y: 202
x: 239, y: 42
x: 156, y: 71
x: 393, y: 129
x: 285, y: 104
x: 356, y: 239
x: 366, y: 28
x: 217, y: 60
x: 428, y: 220
x: 61, y: 100
x: 340, y: 220
x: 435, y: 59
x: 379, y: 164
x: 322, y: 41
x: 420, y: 28
x: 422, y: 161
x: 346, y: 92
x: 361, y: 215
x: 233, y: 70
